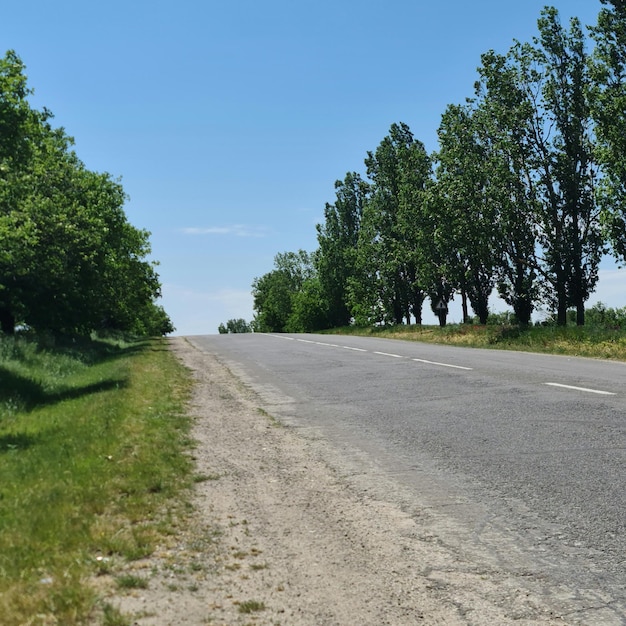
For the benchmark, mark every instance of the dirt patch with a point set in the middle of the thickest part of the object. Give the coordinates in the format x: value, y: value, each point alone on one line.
x: 281, y: 535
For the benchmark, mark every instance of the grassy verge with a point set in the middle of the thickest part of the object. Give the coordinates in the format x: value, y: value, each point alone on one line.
x: 589, y: 341
x: 92, y: 470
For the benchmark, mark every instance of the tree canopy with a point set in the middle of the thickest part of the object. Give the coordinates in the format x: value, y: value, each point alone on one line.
x: 70, y: 262
x: 525, y: 194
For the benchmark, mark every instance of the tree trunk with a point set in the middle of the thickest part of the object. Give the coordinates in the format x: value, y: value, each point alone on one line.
x: 7, y: 321
x: 561, y: 296
x: 561, y: 311
x: 464, y: 306
x: 418, y: 302
x: 523, y: 311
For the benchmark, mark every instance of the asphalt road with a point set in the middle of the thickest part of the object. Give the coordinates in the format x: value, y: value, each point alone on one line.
x: 514, y: 449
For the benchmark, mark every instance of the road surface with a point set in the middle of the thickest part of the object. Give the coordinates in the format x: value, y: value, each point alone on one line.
x: 522, y: 456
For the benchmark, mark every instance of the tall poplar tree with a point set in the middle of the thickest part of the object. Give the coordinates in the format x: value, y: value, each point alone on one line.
x: 398, y: 168
x: 338, y: 239
x: 608, y: 95
x: 502, y: 115
x: 468, y: 220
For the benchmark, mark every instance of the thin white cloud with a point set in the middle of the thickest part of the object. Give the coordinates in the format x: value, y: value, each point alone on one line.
x: 235, y: 230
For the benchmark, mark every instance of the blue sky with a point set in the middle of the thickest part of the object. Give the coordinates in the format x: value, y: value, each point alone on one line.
x: 229, y: 122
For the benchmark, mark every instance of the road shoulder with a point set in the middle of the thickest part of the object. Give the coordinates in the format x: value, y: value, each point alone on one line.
x: 281, y: 535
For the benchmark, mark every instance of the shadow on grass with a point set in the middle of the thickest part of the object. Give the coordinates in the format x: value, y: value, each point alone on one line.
x: 27, y: 394
x: 90, y: 351
x: 18, y: 441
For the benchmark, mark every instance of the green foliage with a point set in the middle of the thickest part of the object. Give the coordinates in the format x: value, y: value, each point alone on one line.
x: 70, y: 262
x: 272, y: 295
x: 528, y: 194
x: 599, y: 316
x: 309, y: 310
x: 608, y: 102
x: 235, y: 326
x: 338, y: 239
x: 273, y: 292
x: 467, y: 223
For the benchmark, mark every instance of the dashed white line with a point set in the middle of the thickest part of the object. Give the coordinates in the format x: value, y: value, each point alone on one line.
x: 603, y: 393
x: 458, y: 367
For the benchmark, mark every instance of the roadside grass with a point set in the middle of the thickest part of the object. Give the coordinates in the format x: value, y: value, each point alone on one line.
x: 93, y: 470
x: 589, y: 341
x: 251, y: 606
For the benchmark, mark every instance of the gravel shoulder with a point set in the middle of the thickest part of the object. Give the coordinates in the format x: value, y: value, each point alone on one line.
x: 284, y: 532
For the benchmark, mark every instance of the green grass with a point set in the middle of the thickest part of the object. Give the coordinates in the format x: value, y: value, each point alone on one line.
x: 92, y: 465
x: 130, y: 581
x: 589, y: 341
x: 251, y: 606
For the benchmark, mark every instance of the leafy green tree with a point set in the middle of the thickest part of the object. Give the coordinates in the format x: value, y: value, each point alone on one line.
x: 309, y: 308
x: 387, y: 286
x: 238, y: 325
x: 273, y: 293
x: 153, y: 321
x: 502, y: 113
x: 554, y: 76
x: 338, y: 238
x: 441, y: 259
x: 18, y: 125
x: 464, y: 179
x: 608, y: 104
x: 533, y: 126
x: 69, y: 259
x: 272, y: 301
x: 88, y: 268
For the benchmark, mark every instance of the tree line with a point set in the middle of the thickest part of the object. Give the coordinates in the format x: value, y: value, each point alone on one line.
x: 525, y: 194
x: 70, y: 262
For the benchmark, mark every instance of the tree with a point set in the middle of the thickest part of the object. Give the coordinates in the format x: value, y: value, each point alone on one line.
x: 238, y: 325
x: 309, y: 308
x: 338, y: 238
x: 273, y: 293
x: 608, y: 104
x: 69, y: 259
x: 18, y: 123
x: 387, y: 274
x: 469, y: 221
x: 535, y: 129
x: 502, y: 113
x: 553, y: 74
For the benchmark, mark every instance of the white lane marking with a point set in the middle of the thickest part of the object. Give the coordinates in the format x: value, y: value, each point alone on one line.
x: 603, y: 393
x: 400, y: 356
x: 457, y: 367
